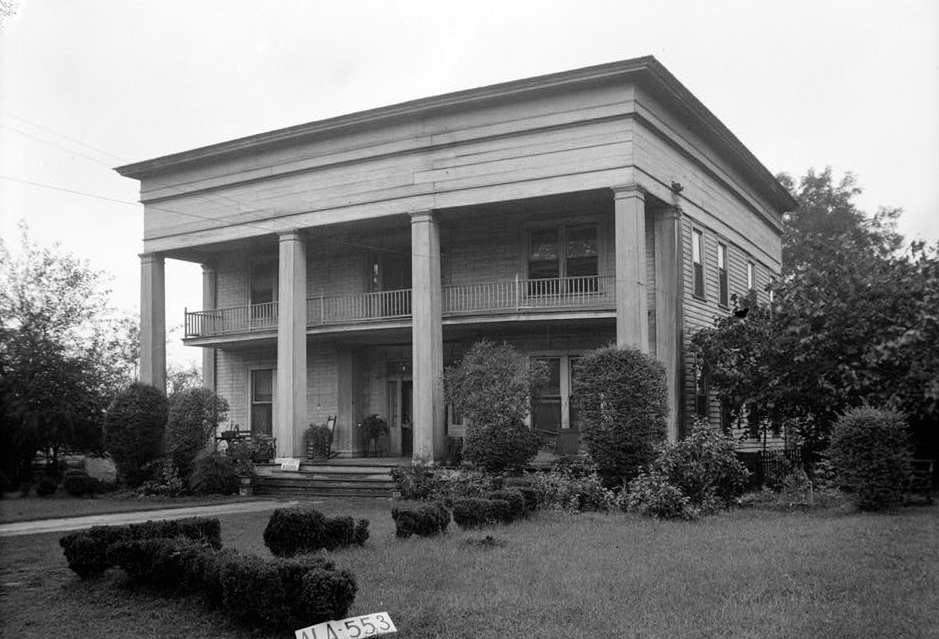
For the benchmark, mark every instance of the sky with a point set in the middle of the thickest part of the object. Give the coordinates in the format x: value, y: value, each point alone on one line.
x: 87, y: 85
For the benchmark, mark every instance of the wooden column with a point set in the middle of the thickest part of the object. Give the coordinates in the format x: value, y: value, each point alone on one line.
x: 669, y: 311
x: 153, y: 321
x: 290, y: 407
x: 209, y: 302
x: 632, y: 315
x: 427, y: 337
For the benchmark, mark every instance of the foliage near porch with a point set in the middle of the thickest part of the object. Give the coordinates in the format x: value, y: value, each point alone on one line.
x: 742, y: 574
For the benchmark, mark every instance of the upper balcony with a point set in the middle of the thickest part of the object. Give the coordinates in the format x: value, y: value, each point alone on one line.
x: 518, y: 298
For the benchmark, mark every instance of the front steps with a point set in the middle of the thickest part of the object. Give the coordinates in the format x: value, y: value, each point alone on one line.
x: 355, y: 479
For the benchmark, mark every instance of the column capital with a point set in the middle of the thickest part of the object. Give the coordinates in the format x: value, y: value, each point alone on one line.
x: 628, y: 191
x: 672, y: 213
x: 150, y: 258
x: 290, y: 236
x: 426, y: 215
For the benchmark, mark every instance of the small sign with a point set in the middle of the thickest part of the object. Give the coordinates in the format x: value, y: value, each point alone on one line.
x: 372, y: 625
x: 288, y: 463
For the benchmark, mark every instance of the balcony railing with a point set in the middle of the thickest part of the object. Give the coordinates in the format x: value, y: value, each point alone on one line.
x: 511, y: 296
x: 519, y: 295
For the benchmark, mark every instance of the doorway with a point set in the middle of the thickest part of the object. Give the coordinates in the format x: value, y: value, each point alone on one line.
x: 401, y: 411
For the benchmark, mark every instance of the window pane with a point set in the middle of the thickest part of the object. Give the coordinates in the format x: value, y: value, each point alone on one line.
x: 546, y: 414
x: 262, y: 422
x: 582, y: 242
x: 263, y: 385
x: 553, y: 385
x: 699, y: 280
x: 721, y: 257
x: 696, y: 247
x: 544, y: 246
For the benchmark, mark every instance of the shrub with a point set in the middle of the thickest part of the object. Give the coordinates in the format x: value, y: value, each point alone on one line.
x: 623, y: 399
x: 414, y: 482
x: 424, y: 481
x: 168, y: 565
x: 424, y: 519
x: 516, y: 501
x: 871, y: 456
x: 704, y: 467
x: 47, y: 487
x: 575, y: 488
x: 493, y: 386
x: 133, y: 430
x: 501, y: 511
x: 473, y: 512
x: 164, y: 481
x: 652, y: 495
x: 292, y: 531
x: 78, y: 483
x: 213, y: 474
x: 89, y: 552
x: 193, y: 416
x: 284, y: 594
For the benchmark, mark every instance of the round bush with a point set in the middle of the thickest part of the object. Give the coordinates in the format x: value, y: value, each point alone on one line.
x: 871, y: 456
x: 78, y: 483
x: 623, y: 398
x: 47, y: 487
x: 213, y: 474
x: 133, y: 430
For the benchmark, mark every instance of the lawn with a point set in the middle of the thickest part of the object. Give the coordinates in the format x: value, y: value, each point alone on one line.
x: 742, y: 574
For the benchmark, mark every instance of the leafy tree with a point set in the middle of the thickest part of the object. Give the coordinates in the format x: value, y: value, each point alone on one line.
x: 493, y: 387
x: 623, y: 398
x: 853, y: 321
x: 182, y: 378
x: 133, y: 430
x: 193, y: 417
x: 63, y: 353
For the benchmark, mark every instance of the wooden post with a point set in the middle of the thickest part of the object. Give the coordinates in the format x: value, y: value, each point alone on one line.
x: 152, y: 321
x: 290, y: 410
x: 632, y: 316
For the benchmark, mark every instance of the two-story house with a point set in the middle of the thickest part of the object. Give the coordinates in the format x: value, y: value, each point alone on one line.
x: 347, y: 261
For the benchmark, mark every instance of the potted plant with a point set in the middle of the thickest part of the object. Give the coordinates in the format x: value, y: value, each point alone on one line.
x: 319, y: 439
x: 240, y: 452
x: 262, y: 449
x: 371, y: 428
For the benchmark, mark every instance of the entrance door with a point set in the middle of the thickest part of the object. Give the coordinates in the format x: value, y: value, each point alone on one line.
x: 400, y: 410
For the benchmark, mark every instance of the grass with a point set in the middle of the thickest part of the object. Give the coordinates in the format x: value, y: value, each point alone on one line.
x: 743, y: 574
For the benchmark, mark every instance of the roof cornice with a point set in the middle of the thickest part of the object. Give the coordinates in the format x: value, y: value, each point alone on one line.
x: 646, y: 67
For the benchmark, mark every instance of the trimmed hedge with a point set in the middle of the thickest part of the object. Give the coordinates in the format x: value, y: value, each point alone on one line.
x: 78, y: 483
x: 213, y: 474
x: 89, y: 552
x: 475, y: 513
x: 292, y: 531
x: 424, y: 519
x: 263, y: 594
x: 517, y: 504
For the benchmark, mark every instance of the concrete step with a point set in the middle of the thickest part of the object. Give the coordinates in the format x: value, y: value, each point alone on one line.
x: 362, y: 482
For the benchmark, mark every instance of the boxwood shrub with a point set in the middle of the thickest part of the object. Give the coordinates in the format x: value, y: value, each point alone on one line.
x: 292, y: 531
x: 517, y: 504
x: 424, y: 519
x: 475, y: 512
x: 78, y: 483
x: 89, y: 552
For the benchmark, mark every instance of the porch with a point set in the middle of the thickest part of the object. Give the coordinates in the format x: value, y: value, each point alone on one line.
x: 520, y: 296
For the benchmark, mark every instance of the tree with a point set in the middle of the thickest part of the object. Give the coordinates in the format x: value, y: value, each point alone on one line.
x: 853, y: 320
x: 193, y: 417
x: 133, y: 430
x: 493, y: 387
x: 63, y: 353
x: 623, y: 398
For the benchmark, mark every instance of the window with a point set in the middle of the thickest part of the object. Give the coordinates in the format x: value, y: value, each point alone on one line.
x: 555, y: 408
x: 772, y: 290
x: 722, y: 294
x: 566, y: 252
x: 697, y: 259
x: 263, y: 294
x: 262, y: 401
x: 701, y: 399
x: 751, y: 276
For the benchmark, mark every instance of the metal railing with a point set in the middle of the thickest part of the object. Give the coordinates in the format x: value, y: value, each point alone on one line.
x: 509, y: 296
